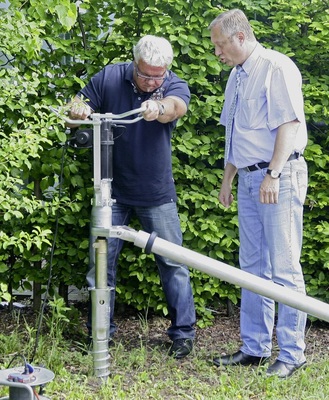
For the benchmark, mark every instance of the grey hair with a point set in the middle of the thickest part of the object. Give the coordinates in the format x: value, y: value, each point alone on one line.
x: 233, y: 21
x: 153, y: 50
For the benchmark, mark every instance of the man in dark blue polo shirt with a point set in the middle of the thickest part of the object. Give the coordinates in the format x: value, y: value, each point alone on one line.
x: 143, y: 183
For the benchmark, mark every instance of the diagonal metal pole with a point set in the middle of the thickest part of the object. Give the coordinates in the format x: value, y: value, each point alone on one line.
x: 224, y: 271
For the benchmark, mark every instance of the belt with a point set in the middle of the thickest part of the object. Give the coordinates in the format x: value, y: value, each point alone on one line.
x: 261, y: 165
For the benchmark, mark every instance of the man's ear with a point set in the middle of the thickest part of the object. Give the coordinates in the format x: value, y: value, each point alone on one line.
x: 241, y: 37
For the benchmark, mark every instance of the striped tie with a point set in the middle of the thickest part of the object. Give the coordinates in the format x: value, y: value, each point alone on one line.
x: 229, y: 125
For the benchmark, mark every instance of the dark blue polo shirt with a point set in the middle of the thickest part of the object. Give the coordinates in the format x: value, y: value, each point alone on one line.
x: 142, y: 168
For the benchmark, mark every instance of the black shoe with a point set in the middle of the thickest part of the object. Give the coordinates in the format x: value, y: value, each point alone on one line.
x: 181, y: 348
x: 282, y: 369
x: 239, y: 358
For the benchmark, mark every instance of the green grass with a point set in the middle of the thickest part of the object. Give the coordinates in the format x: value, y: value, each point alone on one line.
x: 145, y: 373
x: 141, y: 370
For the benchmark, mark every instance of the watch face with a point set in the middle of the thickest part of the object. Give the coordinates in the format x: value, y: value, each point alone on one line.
x: 273, y: 173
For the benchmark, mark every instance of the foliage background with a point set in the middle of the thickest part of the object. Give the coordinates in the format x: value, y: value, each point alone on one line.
x: 50, y: 50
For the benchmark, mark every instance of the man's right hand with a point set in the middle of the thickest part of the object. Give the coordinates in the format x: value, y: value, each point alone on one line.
x: 79, y: 110
x: 225, y: 196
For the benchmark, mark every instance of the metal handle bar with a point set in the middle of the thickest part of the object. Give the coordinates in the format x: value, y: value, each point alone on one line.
x: 96, y: 117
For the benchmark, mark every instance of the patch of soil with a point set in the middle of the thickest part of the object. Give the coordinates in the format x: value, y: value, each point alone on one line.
x: 221, y: 337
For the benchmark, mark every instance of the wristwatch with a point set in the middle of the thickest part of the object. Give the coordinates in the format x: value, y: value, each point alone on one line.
x: 161, y: 108
x: 273, y: 173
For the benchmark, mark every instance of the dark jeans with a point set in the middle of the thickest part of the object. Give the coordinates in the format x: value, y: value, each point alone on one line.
x: 174, y: 277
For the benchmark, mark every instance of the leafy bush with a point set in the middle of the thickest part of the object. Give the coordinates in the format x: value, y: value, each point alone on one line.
x: 45, y: 188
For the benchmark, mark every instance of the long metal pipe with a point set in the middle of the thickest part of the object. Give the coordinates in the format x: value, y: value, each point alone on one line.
x: 225, y: 272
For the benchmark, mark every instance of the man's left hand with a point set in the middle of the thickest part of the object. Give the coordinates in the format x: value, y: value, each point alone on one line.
x: 269, y: 190
x: 152, y: 110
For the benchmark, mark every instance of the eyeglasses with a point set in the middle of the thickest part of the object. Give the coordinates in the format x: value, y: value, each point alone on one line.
x: 150, y: 78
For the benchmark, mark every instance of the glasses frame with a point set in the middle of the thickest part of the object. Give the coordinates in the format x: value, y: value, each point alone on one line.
x: 150, y: 78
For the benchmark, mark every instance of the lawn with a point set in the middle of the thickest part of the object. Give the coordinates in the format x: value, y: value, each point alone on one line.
x: 140, y: 367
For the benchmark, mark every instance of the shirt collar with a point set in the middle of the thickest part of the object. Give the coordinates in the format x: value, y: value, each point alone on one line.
x: 129, y: 74
x: 250, y: 61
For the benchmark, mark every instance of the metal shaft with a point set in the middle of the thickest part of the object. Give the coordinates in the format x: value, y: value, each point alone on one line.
x: 226, y: 272
x: 107, y: 150
x: 100, y: 302
x: 101, y: 224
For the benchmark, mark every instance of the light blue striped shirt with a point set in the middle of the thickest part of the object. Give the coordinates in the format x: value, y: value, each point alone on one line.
x: 270, y: 94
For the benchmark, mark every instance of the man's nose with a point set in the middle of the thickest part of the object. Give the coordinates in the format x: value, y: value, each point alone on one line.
x: 218, y: 51
x: 151, y: 81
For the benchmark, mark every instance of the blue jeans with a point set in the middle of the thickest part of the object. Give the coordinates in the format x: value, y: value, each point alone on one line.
x: 175, y: 277
x: 270, y: 247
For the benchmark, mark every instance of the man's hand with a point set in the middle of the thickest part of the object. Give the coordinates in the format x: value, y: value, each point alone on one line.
x: 79, y: 110
x: 225, y: 195
x: 152, y: 110
x: 269, y: 190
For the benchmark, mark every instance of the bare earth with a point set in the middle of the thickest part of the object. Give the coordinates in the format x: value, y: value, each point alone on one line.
x: 133, y: 327
x: 222, y: 337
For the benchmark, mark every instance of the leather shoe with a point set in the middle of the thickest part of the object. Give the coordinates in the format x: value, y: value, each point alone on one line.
x: 181, y: 348
x: 282, y: 369
x: 239, y: 358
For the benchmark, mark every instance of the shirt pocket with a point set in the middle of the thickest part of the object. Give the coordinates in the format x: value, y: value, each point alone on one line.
x: 252, y: 113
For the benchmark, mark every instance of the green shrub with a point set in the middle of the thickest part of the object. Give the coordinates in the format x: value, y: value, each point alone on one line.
x: 45, y: 188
